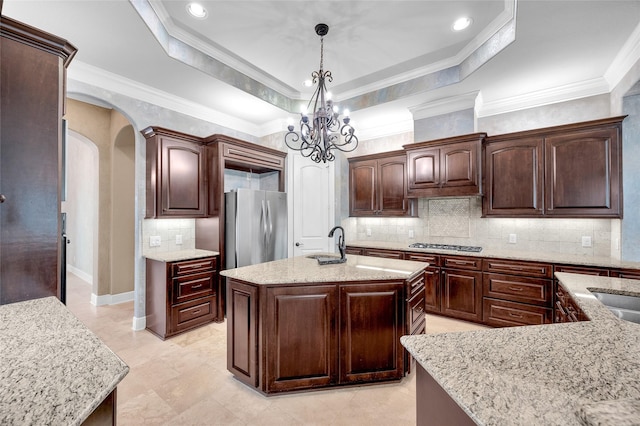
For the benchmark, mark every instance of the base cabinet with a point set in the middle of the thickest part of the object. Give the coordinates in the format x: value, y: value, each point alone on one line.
x: 181, y: 295
x: 299, y: 337
x: 462, y: 288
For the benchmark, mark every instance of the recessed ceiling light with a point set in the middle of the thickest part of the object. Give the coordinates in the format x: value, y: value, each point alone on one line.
x: 197, y: 10
x: 462, y: 23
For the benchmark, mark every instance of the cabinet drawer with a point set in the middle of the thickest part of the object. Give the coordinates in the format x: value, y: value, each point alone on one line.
x: 471, y: 263
x: 389, y: 254
x: 502, y: 313
x: 353, y: 250
x: 192, y: 314
x: 189, y: 287
x: 632, y: 274
x: 518, y: 289
x: 415, y: 286
x: 527, y: 269
x: 415, y: 308
x: 192, y: 266
x: 431, y: 259
x: 586, y: 270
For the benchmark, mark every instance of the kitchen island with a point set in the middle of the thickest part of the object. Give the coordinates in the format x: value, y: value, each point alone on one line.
x: 53, y: 370
x: 585, y: 372
x: 294, y: 325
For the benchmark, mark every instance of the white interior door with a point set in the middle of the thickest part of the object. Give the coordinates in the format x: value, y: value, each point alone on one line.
x: 313, y: 206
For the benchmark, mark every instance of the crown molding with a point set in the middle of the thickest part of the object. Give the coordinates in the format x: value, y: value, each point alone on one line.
x: 628, y: 56
x: 444, y: 106
x: 583, y: 89
x: 88, y: 74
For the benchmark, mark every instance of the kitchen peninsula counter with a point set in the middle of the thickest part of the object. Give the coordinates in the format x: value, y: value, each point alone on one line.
x: 294, y: 324
x: 584, y: 372
x: 180, y: 255
x: 53, y: 370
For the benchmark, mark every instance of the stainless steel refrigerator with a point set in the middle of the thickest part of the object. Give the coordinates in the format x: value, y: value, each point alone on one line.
x: 255, y: 227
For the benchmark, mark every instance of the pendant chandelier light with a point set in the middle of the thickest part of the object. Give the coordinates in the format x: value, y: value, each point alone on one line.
x: 322, y: 132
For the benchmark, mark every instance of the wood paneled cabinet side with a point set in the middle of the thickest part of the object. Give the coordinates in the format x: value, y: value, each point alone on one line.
x: 445, y: 167
x: 32, y: 100
x: 175, y: 174
x: 378, y: 186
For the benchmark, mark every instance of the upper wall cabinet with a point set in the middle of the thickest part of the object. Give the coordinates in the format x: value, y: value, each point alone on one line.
x: 445, y: 167
x: 378, y: 186
x: 563, y: 171
x: 176, y: 178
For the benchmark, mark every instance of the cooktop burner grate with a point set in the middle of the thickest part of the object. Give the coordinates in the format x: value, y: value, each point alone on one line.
x: 474, y: 249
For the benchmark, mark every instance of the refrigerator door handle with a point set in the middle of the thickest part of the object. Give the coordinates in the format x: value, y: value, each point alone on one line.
x: 269, y: 224
x: 263, y: 225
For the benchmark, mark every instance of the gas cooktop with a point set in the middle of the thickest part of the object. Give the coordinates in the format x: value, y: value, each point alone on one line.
x: 473, y: 249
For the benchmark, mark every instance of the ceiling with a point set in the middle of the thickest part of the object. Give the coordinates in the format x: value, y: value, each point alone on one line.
x: 392, y: 61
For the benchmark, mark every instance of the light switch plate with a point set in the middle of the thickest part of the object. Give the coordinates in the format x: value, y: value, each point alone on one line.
x: 411, y: 233
x: 513, y: 238
x: 586, y: 241
x: 368, y: 232
x: 178, y: 239
x: 154, y: 241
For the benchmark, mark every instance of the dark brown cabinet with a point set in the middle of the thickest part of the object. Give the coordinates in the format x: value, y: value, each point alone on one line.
x: 564, y: 171
x: 432, y: 291
x: 565, y: 308
x: 32, y: 99
x: 175, y: 175
x: 462, y: 287
x: 514, y: 177
x: 389, y: 254
x: 294, y: 337
x: 181, y: 295
x: 445, y: 167
x: 378, y: 186
x: 516, y: 293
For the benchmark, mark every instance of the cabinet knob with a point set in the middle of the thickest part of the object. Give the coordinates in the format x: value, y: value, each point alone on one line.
x: 2, y: 198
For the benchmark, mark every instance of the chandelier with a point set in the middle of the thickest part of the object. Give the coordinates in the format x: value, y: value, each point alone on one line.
x: 321, y: 133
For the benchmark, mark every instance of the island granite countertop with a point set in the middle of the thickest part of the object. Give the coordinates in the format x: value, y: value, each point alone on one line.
x: 180, y: 255
x: 302, y: 269
x: 557, y: 374
x: 524, y: 255
x: 53, y: 370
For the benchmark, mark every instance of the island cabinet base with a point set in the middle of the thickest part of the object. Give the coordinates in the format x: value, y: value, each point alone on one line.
x: 292, y: 337
x: 434, y: 407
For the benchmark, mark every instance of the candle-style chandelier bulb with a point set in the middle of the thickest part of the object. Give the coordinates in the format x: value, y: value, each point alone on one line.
x: 321, y: 133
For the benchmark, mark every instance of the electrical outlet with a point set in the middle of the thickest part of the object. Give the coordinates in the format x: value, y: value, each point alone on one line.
x: 411, y: 233
x: 154, y: 241
x: 368, y: 232
x: 586, y: 241
x: 513, y: 238
x: 178, y: 239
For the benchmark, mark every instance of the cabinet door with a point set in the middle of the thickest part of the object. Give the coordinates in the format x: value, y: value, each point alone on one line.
x: 459, y: 166
x: 423, y: 168
x: 432, y: 297
x: 182, y: 188
x: 514, y: 176
x: 371, y: 323
x: 301, y: 337
x: 392, y: 186
x: 242, y: 337
x: 583, y: 173
x: 362, y: 188
x: 462, y: 294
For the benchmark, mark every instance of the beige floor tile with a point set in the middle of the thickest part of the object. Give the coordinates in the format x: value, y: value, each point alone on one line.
x: 184, y: 380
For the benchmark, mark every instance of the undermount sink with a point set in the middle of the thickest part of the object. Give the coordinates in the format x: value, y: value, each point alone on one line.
x: 324, y: 259
x: 623, y: 306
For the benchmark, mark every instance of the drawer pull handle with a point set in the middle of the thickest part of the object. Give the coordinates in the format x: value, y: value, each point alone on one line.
x: 195, y: 312
x: 511, y: 314
x: 198, y: 265
x: 516, y: 288
x: 193, y: 287
x: 419, y: 309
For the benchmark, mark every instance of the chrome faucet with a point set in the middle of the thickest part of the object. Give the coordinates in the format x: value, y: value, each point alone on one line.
x: 341, y: 243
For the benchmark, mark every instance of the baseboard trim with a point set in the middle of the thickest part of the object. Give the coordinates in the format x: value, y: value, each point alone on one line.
x: 111, y: 299
x: 139, y: 323
x: 80, y: 274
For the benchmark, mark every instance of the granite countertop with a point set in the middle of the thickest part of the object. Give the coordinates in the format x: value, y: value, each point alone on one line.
x: 534, y: 256
x: 179, y: 255
x: 302, y: 269
x: 53, y: 370
x: 573, y: 373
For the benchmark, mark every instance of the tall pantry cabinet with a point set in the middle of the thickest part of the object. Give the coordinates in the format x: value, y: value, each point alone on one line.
x: 32, y: 92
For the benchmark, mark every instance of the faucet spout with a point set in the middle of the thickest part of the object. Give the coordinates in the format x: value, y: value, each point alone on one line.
x: 342, y: 248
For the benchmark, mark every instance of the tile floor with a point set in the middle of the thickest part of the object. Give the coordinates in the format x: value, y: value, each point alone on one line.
x: 184, y: 380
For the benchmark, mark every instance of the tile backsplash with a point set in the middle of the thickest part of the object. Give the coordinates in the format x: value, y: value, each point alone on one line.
x: 459, y: 221
x: 167, y: 229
